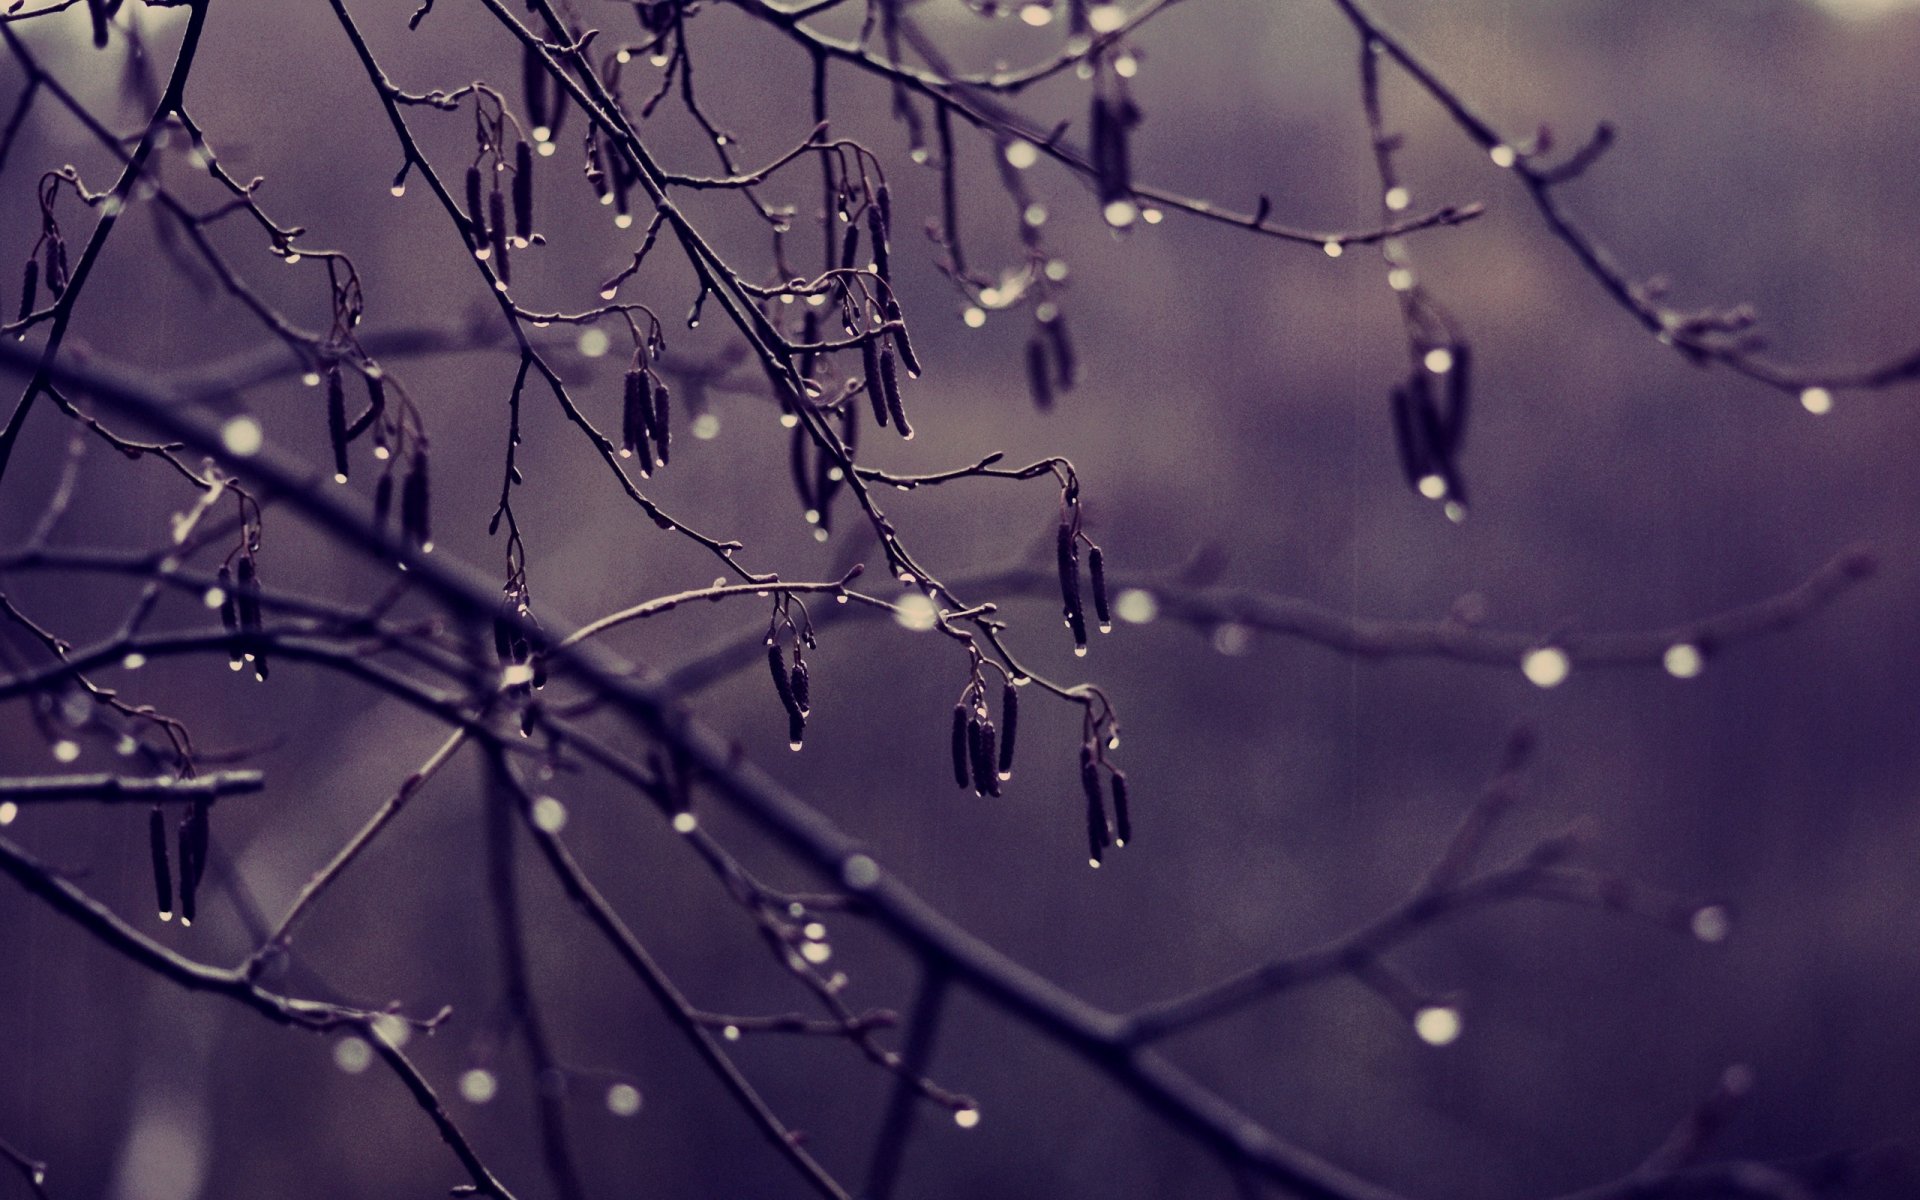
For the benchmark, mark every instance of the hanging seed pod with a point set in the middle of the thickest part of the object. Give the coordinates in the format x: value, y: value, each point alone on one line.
x: 1122, y: 819
x: 56, y: 278
x: 337, y: 421
x: 523, y: 192
x: 162, y: 874
x: 962, y: 760
x: 802, y: 697
x: 882, y: 257
x: 29, y: 288
x: 984, y: 760
x: 1067, y: 556
x: 1413, y: 454
x: 415, y: 524
x: 230, y: 615
x: 870, y: 365
x: 533, y: 86
x: 636, y: 411
x: 1009, y: 727
x: 662, y: 423
x: 1457, y: 378
x: 883, y: 205
x: 497, y: 230
x: 1065, y: 366
x: 890, y: 392
x: 476, y: 211
x: 248, y: 599
x: 1097, y: 569
x: 193, y: 838
x: 97, y: 9
x: 902, y: 345
x: 973, y: 755
x: 1098, y: 835
x: 850, y: 248
x: 783, y: 685
x: 383, y: 502
x: 1039, y: 383
x: 376, y: 402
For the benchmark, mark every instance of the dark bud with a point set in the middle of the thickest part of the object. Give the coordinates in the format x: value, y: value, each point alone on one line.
x: 1122, y: 820
x: 890, y: 392
x: 962, y: 760
x: 802, y: 696
x: 523, y: 191
x: 337, y: 420
x: 1097, y: 568
x: 30, y: 288
x: 162, y: 873
x: 1009, y: 727
x: 870, y: 363
x: 1039, y: 382
x: 476, y: 209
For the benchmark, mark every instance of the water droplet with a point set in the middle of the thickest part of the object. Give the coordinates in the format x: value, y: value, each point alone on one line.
x: 1136, y: 606
x: 352, y: 1055
x: 1334, y: 249
x: 1036, y: 15
x: 1439, y: 360
x: 1433, y: 487
x: 66, y: 750
x: 917, y: 613
x: 516, y: 674
x: 1437, y: 1024
x: 813, y: 931
x: 478, y: 1086
x: 706, y: 427
x: 789, y: 420
x: 1397, y: 199
x: 1120, y: 213
x: 1503, y: 156
x: 1711, y: 924
x: 1817, y: 400
x: 623, y: 221
x: 134, y: 661
x: 1683, y: 660
x: 966, y: 1118
x: 9, y: 812
x: 1105, y: 18
x: 859, y: 872
x: 549, y: 814
x: 546, y: 149
x: 243, y: 437
x: 594, y: 343
x: 974, y: 317
x: 685, y: 822
x: 1400, y: 279
x: 392, y: 1030
x: 398, y: 190
x: 731, y: 1033
x: 1126, y: 66
x: 623, y: 1100
x: 1546, y: 667
x: 816, y: 952
x: 1021, y: 154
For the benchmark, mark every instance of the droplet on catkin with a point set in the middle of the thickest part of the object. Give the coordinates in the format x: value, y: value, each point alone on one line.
x: 623, y: 1100
x: 966, y: 1118
x: 1817, y: 400
x: 478, y: 1086
x: 1683, y: 660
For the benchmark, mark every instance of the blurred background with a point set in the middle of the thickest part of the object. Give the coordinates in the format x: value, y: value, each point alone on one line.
x: 1233, y: 398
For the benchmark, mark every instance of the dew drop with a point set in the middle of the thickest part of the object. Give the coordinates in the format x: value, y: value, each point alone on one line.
x: 1105, y: 18
x: 1817, y: 400
x: 594, y: 343
x: 243, y: 437
x: 859, y: 872
x: 1036, y: 15
x: 1683, y: 660
x: 478, y: 1086
x: 816, y: 952
x: 1397, y: 199
x: 706, y: 427
x: 1021, y: 154
x: 1433, y: 487
x: 1546, y: 667
x: 134, y: 661
x: 1334, y: 249
x: 1136, y: 606
x: 1503, y: 156
x: 685, y: 822
x: 974, y: 317
x: 1120, y: 213
x: 623, y: 1100
x: 966, y: 1118
x: 9, y: 812
x: 66, y: 750
x: 548, y: 813
x: 1711, y: 924
x: 1437, y: 1024
x: 1439, y: 360
x: 352, y: 1055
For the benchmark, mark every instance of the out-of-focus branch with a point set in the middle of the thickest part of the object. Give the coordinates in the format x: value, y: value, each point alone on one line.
x: 124, y: 789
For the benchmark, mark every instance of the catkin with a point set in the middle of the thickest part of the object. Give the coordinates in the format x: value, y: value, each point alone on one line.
x: 1009, y: 727
x: 30, y: 288
x: 890, y: 391
x: 1097, y: 570
x: 162, y: 874
x: 337, y: 419
x: 1122, y: 819
x: 523, y: 191
x: 962, y: 763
